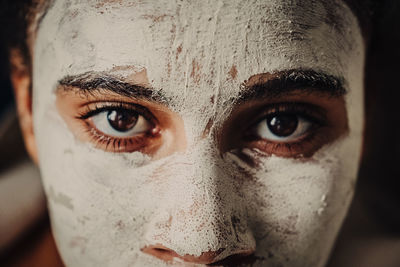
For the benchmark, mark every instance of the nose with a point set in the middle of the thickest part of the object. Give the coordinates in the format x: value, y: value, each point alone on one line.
x: 211, y: 257
x: 200, y: 216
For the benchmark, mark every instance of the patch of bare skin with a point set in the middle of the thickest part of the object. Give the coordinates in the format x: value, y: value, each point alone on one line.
x: 79, y: 242
x: 259, y: 79
x: 132, y: 74
x: 207, y: 130
x: 178, y: 51
x: 140, y: 78
x: 196, y: 71
x: 233, y: 72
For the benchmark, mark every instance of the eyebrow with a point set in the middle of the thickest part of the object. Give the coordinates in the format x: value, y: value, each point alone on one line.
x: 285, y: 83
x: 266, y: 85
x: 91, y: 82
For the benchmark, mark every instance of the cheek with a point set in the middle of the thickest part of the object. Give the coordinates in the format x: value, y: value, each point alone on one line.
x: 92, y: 195
x: 298, y: 205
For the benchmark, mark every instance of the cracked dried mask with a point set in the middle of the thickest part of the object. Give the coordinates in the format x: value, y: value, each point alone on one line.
x: 198, y: 132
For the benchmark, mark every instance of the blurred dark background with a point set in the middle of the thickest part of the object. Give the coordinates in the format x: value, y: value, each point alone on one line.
x: 380, y: 170
x: 6, y: 95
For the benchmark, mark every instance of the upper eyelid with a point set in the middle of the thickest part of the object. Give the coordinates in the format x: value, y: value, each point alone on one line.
x: 315, y: 113
x: 141, y: 110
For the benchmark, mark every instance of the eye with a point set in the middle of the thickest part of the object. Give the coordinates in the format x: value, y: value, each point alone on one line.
x: 283, y: 127
x: 121, y: 123
x: 120, y: 127
x: 291, y: 129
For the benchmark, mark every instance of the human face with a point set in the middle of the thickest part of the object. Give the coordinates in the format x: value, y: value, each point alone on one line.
x: 193, y: 132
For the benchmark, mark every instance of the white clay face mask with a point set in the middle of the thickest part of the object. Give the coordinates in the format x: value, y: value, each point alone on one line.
x: 191, y: 132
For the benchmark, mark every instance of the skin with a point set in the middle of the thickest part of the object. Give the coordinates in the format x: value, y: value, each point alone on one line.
x: 194, y: 190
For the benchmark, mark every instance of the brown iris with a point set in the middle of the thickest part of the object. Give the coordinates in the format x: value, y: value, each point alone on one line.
x: 122, y: 120
x: 283, y: 125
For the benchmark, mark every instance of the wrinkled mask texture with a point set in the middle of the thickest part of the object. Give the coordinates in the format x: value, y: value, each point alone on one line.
x: 105, y: 207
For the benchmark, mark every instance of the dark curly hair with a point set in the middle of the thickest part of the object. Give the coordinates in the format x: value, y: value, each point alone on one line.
x: 16, y: 17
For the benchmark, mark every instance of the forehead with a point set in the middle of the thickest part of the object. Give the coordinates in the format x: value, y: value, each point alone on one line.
x: 217, y: 44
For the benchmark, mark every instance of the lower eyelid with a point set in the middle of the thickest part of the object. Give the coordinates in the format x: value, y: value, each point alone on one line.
x: 106, y: 142
x: 298, y: 148
x: 115, y: 144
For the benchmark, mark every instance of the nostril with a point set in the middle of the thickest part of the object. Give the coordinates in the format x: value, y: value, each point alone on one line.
x: 161, y: 252
x: 210, y: 258
x: 204, y: 258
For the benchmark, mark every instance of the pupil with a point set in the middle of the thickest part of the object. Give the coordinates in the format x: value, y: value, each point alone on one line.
x: 283, y: 125
x: 122, y: 120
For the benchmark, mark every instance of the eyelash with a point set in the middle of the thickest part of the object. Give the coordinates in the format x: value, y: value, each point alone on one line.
x: 117, y: 143
x: 309, y: 111
x: 100, y: 107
